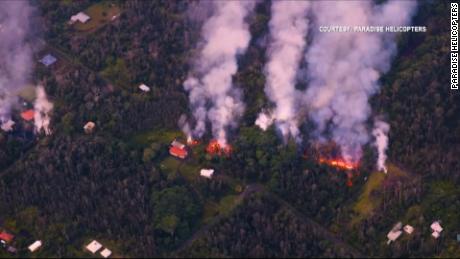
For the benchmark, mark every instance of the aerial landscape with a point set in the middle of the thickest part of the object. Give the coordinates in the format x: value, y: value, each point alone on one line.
x: 229, y: 128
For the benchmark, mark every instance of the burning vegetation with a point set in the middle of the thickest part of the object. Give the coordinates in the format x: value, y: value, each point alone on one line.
x: 214, y: 148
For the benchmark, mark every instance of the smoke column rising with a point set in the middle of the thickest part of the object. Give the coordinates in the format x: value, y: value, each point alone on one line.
x: 15, y: 53
x: 344, y: 68
x: 42, y: 110
x: 288, y: 29
x: 381, y: 143
x: 211, y: 92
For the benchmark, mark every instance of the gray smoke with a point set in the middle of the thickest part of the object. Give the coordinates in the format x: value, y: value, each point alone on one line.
x: 288, y: 29
x: 212, y: 95
x: 15, y: 53
x: 344, y: 68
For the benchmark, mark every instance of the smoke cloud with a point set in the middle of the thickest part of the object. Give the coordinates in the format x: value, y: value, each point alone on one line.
x: 42, y: 111
x: 288, y: 29
x: 15, y: 54
x: 381, y: 143
x: 344, y: 68
x: 212, y: 95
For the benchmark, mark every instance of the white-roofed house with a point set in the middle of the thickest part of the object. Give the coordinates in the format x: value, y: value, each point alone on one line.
x: 408, y: 229
x: 393, y: 235
x: 94, y: 246
x: 89, y: 127
x: 436, y: 227
x: 207, y: 173
x: 79, y: 17
x: 106, y: 253
x: 35, y: 245
x: 144, y: 88
x: 436, y: 234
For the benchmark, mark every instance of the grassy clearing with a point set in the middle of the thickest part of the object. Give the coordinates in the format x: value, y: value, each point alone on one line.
x: 224, y: 207
x: 27, y: 93
x: 155, y: 136
x: 190, y: 171
x: 170, y: 165
x: 100, y: 13
x: 369, y: 198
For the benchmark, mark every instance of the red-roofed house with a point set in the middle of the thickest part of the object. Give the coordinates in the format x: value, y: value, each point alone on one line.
x: 28, y: 115
x: 6, y: 237
x: 178, y: 152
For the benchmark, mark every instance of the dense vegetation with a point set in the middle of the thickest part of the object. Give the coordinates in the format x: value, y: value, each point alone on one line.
x: 119, y: 185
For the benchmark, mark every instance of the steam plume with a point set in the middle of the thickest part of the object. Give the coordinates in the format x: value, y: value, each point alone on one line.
x: 211, y: 92
x: 15, y: 53
x: 381, y: 142
x: 288, y: 29
x: 344, y: 68
x: 42, y: 112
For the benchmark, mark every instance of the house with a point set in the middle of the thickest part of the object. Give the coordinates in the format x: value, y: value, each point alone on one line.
x: 178, y: 149
x: 7, y: 126
x: 28, y: 115
x: 144, y: 88
x: 106, y: 253
x: 79, y: 17
x: 207, y: 173
x: 35, y: 245
x: 178, y: 152
x: 397, y: 227
x: 48, y: 60
x: 94, y: 246
x: 408, y: 229
x: 177, y: 144
x: 6, y: 237
x: 436, y: 227
x: 89, y: 127
x: 436, y: 235
x: 393, y: 235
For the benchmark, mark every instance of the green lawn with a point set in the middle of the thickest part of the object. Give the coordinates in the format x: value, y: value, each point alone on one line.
x: 367, y: 202
x: 100, y: 13
x: 155, y: 136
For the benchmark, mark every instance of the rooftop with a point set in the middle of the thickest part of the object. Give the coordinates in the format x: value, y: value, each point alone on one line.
x: 94, y: 246
x: 28, y: 115
x: 48, y: 60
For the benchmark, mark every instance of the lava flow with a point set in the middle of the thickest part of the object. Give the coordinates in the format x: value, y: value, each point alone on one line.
x: 192, y: 142
x: 214, y: 148
x: 339, y: 163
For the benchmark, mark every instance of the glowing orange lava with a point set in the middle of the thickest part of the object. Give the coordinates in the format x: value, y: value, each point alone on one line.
x: 339, y: 163
x: 214, y: 148
x: 192, y: 142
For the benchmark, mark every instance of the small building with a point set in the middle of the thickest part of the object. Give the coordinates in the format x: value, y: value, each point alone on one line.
x: 177, y: 144
x: 408, y: 229
x: 207, y: 173
x: 393, y: 235
x: 48, y: 60
x: 178, y: 152
x: 436, y: 235
x: 94, y: 246
x: 7, y: 126
x: 144, y: 88
x: 436, y: 227
x: 106, y: 253
x: 6, y: 237
x: 79, y: 17
x: 35, y: 245
x: 89, y: 127
x: 28, y: 115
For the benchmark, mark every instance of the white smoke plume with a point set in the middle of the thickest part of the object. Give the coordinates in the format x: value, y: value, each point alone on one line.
x: 211, y: 91
x: 42, y: 111
x: 344, y: 68
x: 15, y: 54
x: 288, y: 29
x: 381, y: 143
x: 264, y: 120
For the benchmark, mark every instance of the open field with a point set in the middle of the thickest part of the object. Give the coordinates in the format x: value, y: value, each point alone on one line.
x: 100, y: 13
